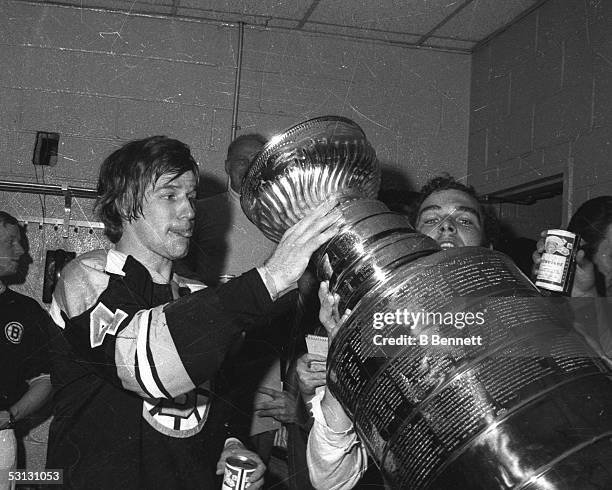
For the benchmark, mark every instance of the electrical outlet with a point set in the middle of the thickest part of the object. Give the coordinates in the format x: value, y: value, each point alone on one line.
x: 45, y: 150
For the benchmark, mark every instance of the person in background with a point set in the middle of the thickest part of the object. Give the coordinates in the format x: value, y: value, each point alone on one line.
x: 24, y: 367
x: 139, y: 346
x: 451, y: 214
x: 593, y: 222
x: 225, y: 244
x: 593, y: 277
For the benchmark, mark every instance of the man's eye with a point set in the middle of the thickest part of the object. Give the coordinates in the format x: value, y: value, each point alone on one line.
x: 169, y: 196
x: 465, y: 221
x: 431, y: 221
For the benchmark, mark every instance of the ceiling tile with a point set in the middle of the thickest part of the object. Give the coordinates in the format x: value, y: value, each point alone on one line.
x: 483, y: 17
x: 408, y: 16
x: 255, y: 21
x: 361, y: 33
x: 395, y: 21
x: 284, y: 9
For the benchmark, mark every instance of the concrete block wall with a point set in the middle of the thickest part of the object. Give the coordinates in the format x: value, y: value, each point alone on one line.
x: 541, y: 104
x: 102, y: 78
x: 410, y: 103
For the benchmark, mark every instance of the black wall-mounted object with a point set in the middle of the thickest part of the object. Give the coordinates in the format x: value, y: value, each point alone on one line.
x: 45, y: 150
x: 55, y: 261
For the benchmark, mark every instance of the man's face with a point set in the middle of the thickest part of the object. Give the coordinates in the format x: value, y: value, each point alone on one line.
x: 452, y: 218
x: 166, y: 224
x: 10, y: 249
x: 602, y: 258
x: 239, y: 161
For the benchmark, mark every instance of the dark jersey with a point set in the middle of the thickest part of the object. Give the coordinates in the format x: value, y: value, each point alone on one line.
x: 23, y: 345
x: 133, y: 370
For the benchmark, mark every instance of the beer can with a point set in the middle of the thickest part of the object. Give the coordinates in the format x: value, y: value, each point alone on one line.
x: 556, y: 272
x: 237, y: 469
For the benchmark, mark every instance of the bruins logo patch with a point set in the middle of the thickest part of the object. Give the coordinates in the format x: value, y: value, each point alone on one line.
x: 14, y: 332
x: 183, y: 416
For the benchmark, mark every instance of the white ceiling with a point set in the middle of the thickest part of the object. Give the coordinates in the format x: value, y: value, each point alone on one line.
x: 454, y: 25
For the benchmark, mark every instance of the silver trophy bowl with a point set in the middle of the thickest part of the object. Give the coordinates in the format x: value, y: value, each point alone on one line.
x: 304, y: 166
x: 529, y: 407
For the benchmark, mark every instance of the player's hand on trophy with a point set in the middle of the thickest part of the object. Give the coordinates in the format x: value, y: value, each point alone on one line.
x: 328, y: 313
x: 289, y: 260
x: 233, y: 447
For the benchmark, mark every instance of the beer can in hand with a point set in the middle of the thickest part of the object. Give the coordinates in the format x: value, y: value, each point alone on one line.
x: 237, y: 469
x: 556, y: 272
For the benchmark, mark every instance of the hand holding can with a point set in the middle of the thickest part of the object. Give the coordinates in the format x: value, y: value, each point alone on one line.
x: 558, y: 262
x: 237, y: 470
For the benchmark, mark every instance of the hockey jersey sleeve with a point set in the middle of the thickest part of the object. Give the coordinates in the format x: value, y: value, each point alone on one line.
x: 37, y: 363
x: 117, y: 326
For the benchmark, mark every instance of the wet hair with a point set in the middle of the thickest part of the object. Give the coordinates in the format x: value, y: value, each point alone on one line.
x: 126, y: 174
x: 243, y: 138
x: 7, y: 219
x: 591, y: 222
x: 445, y: 182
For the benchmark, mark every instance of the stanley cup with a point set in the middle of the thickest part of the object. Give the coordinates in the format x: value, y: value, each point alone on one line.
x: 456, y: 372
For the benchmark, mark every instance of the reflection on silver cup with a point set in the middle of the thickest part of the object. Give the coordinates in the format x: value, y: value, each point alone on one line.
x: 304, y: 166
x: 526, y: 406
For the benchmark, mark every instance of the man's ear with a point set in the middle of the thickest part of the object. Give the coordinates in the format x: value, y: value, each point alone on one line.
x: 227, y: 167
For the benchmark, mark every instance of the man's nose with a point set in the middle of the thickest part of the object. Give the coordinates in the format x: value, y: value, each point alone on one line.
x: 188, y: 209
x: 19, y: 250
x: 448, y: 225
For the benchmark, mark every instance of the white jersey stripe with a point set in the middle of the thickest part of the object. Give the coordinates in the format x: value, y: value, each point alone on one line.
x: 56, y: 314
x: 142, y: 318
x: 170, y: 369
